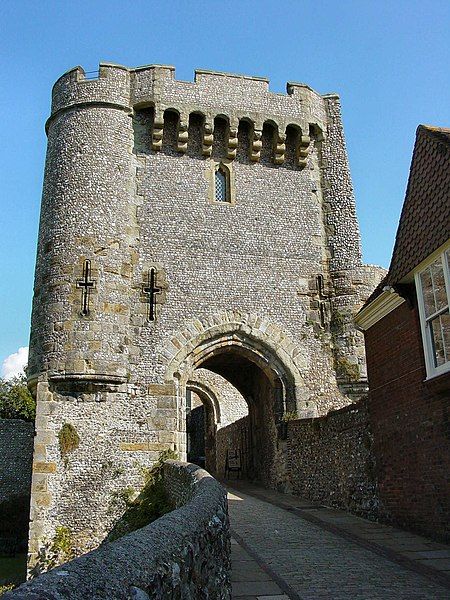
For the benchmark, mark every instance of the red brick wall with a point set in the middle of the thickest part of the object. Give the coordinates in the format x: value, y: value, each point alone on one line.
x: 410, y: 425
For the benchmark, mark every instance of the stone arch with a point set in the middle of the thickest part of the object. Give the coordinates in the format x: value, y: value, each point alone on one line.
x: 222, y: 406
x: 257, y: 359
x: 208, y: 395
x: 212, y: 417
x: 221, y: 128
x: 316, y: 132
x: 293, y: 136
x: 261, y: 335
x: 245, y: 135
x: 269, y: 140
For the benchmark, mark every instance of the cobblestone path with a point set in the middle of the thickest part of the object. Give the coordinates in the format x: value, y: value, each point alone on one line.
x: 279, y: 555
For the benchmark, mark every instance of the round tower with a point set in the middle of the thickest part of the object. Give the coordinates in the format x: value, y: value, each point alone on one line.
x: 85, y: 261
x: 87, y: 232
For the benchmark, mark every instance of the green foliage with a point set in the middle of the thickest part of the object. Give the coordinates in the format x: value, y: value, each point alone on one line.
x: 346, y: 370
x: 151, y: 503
x: 290, y: 415
x: 124, y: 497
x: 61, y: 548
x: 63, y: 543
x: 6, y: 588
x: 16, y: 402
x: 69, y: 440
x: 53, y: 553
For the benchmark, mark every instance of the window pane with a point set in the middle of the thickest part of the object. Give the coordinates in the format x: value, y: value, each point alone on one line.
x: 440, y: 294
x: 427, y: 292
x: 221, y: 187
x: 440, y: 333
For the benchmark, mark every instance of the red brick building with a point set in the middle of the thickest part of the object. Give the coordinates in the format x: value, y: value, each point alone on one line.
x: 406, y: 323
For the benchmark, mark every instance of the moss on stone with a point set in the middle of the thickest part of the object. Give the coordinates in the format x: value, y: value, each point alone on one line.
x: 337, y: 322
x: 149, y: 505
x: 347, y: 370
x: 69, y: 440
x: 290, y: 415
x: 6, y: 588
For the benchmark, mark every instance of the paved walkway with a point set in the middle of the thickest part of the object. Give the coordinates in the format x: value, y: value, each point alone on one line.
x: 284, y: 547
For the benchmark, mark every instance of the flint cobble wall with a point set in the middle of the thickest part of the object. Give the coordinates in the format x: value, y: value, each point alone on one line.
x: 16, y: 458
x: 330, y: 460
x: 184, y: 554
x: 16, y: 454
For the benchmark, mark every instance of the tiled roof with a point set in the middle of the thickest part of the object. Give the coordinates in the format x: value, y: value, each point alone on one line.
x: 425, y: 220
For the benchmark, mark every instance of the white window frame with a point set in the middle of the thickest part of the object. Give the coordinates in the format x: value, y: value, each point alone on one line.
x: 428, y: 346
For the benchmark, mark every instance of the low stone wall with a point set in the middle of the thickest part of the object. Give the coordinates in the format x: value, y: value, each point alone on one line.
x: 184, y: 554
x: 16, y: 458
x: 330, y: 460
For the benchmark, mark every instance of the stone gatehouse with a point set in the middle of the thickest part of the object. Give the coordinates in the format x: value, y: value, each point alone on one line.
x: 198, y: 240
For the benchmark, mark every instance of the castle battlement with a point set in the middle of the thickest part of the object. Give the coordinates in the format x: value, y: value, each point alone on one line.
x: 212, y: 94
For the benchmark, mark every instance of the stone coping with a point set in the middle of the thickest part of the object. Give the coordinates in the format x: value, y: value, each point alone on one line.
x: 158, y: 560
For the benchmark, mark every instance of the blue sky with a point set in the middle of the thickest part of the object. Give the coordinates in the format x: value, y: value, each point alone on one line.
x: 388, y: 60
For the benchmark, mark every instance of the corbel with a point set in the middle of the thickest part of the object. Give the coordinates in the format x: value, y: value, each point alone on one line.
x: 303, y: 149
x: 157, y: 132
x: 232, y: 139
x: 207, y: 139
x: 256, y: 142
x: 280, y: 148
x: 182, y: 134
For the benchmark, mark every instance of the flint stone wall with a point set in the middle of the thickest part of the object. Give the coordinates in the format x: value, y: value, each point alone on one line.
x: 16, y: 457
x: 331, y: 461
x: 184, y: 554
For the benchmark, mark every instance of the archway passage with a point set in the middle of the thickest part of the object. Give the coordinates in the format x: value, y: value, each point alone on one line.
x: 255, y: 435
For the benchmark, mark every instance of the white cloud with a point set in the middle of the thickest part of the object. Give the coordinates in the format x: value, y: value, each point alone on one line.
x: 14, y: 363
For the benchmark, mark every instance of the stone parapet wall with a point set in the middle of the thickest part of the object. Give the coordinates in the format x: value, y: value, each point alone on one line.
x: 184, y: 554
x: 211, y: 91
x: 330, y: 460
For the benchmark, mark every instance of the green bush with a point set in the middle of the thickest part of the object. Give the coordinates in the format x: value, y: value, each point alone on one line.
x: 16, y: 402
